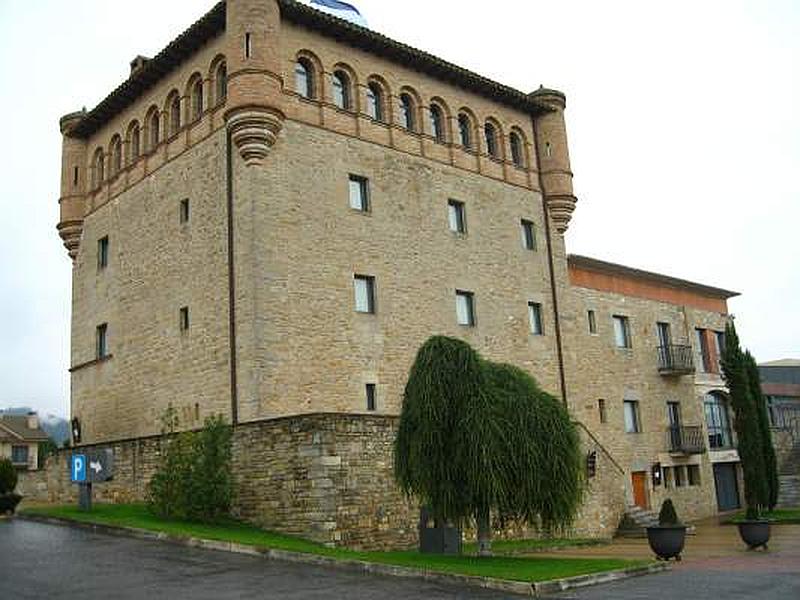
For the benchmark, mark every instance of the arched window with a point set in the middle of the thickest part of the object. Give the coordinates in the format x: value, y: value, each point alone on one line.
x: 221, y: 80
x: 197, y: 99
x: 517, y: 151
x: 304, y: 78
x: 153, y: 130
x: 437, y: 123
x: 492, y: 147
x: 718, y: 421
x: 174, y: 114
x: 375, y: 103
x: 465, y: 131
x: 407, y: 112
x: 116, y: 155
x: 134, y: 142
x: 98, y: 168
x: 341, y: 90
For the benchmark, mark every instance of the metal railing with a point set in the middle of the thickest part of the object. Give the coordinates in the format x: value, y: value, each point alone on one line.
x: 675, y: 359
x: 686, y: 440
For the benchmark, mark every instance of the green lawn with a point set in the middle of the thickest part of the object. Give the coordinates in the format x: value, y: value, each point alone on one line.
x: 779, y: 515
x: 529, y: 569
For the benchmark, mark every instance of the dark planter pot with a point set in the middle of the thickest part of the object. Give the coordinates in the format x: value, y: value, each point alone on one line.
x: 8, y: 503
x: 754, y: 533
x: 667, y: 542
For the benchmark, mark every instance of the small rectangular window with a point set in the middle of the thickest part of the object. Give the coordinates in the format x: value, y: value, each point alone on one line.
x: 694, y: 474
x: 680, y: 479
x: 632, y: 424
x: 19, y: 455
x: 601, y: 408
x: 184, y: 210
x: 535, y: 318
x: 184, y: 318
x: 102, y: 252
x: 365, y: 293
x: 359, y: 193
x: 592, y: 321
x: 371, y: 402
x: 102, y: 341
x: 528, y: 235
x: 667, y: 477
x: 465, y: 308
x: 622, y: 332
x: 456, y: 216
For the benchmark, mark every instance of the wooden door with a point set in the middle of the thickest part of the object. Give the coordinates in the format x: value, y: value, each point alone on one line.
x: 639, y: 480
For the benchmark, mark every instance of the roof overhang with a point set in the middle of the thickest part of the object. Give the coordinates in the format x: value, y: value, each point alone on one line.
x: 600, y: 266
x: 213, y: 24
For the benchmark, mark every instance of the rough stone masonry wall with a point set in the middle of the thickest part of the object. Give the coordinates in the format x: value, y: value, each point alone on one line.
x: 325, y: 477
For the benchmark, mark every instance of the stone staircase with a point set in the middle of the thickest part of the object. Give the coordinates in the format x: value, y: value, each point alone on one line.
x: 789, y: 477
x: 635, y: 522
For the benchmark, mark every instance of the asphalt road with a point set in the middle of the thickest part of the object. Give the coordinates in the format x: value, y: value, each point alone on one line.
x: 40, y: 561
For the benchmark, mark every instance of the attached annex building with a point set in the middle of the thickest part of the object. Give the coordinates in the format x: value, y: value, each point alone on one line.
x: 268, y: 219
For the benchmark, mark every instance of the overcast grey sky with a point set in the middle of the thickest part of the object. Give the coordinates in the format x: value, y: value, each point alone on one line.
x: 683, y: 116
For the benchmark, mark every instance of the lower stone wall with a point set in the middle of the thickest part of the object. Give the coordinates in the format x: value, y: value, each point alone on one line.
x: 325, y: 477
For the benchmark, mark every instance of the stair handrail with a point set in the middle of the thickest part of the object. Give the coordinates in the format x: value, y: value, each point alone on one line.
x: 601, y: 446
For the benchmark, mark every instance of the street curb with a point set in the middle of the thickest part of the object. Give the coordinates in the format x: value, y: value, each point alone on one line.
x: 534, y: 589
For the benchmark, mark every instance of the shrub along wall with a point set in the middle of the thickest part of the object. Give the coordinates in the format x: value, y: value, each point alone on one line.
x: 326, y: 477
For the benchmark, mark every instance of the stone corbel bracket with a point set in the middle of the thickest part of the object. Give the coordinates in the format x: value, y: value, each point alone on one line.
x: 254, y: 130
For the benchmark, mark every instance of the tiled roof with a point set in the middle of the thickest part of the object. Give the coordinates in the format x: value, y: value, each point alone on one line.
x: 601, y: 266
x: 13, y: 427
x: 213, y: 23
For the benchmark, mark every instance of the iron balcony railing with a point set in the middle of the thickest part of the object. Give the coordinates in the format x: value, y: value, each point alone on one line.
x: 675, y: 359
x: 686, y: 440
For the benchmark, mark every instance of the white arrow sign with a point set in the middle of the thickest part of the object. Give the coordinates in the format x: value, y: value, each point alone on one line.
x: 95, y: 466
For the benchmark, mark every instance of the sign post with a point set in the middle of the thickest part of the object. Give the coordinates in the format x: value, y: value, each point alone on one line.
x: 88, y: 468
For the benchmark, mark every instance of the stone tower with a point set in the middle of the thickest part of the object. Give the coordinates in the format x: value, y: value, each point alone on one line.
x: 254, y: 115
x: 73, y: 184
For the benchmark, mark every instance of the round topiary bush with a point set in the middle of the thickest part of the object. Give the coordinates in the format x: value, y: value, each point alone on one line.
x: 8, y: 476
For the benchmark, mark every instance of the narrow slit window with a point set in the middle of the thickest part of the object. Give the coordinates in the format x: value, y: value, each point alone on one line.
x: 371, y: 399
x: 102, y: 252
x: 184, y: 210
x: 602, y: 410
x: 101, y: 338
x: 592, y: 318
x: 248, y: 45
x: 535, y: 318
x: 528, y: 234
x: 184, y: 318
x: 75, y: 176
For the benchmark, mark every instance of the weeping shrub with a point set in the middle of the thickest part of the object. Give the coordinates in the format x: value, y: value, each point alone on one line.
x: 477, y: 437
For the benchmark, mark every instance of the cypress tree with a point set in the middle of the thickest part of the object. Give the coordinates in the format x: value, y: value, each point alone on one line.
x: 767, y: 449
x: 748, y: 430
x: 476, y: 438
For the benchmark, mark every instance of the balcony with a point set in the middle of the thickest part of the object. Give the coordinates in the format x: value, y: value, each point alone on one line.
x: 675, y: 359
x: 686, y: 440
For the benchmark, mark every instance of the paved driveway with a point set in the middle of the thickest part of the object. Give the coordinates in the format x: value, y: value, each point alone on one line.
x: 40, y: 561
x: 716, y: 566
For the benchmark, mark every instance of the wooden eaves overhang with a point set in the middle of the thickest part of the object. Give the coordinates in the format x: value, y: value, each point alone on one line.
x: 213, y: 24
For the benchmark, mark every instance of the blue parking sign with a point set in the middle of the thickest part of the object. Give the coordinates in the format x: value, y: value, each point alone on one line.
x: 78, y: 468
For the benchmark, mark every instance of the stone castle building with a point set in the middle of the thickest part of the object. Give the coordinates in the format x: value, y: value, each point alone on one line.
x: 267, y: 220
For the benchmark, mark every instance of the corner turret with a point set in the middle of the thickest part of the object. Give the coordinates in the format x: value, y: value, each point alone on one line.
x: 254, y: 115
x: 73, y: 184
x: 551, y: 142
